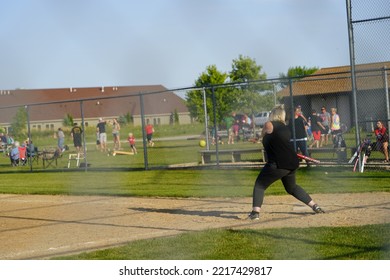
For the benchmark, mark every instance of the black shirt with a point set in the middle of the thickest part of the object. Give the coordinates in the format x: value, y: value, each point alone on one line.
x: 279, y: 149
x: 314, y: 123
x: 300, y: 130
x: 102, y: 127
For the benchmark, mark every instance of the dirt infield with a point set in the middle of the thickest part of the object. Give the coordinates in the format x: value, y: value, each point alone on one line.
x: 40, y: 227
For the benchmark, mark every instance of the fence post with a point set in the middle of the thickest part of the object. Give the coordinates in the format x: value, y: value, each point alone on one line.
x: 353, y: 74
x: 141, y: 101
x: 84, y: 142
x: 387, y: 97
x: 28, y: 134
x: 215, y: 126
x: 292, y: 113
x: 206, y: 123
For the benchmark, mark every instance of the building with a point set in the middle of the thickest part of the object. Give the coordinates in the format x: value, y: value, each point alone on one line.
x: 332, y: 87
x: 47, y: 108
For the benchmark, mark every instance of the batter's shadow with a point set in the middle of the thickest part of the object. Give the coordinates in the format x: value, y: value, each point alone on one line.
x: 200, y: 213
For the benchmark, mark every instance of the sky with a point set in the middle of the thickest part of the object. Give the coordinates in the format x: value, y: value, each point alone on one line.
x: 92, y: 43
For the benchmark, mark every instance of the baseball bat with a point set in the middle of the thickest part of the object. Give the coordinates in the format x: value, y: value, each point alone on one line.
x: 308, y: 158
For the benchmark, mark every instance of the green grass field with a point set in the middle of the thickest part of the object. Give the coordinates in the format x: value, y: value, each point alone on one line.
x: 124, y: 176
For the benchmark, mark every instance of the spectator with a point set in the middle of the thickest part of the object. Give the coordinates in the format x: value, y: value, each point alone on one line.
x: 115, y: 133
x: 299, y: 112
x: 149, y: 134
x: 60, y: 140
x: 382, y: 140
x: 316, y: 128
x: 76, y: 134
x: 325, y: 121
x: 335, y: 125
x: 229, y: 120
x: 101, y: 129
x: 300, y: 133
x: 14, y: 154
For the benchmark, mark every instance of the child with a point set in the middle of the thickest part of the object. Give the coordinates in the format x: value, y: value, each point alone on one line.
x: 131, y: 140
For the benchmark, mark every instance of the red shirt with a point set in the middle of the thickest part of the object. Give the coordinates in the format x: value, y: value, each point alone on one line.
x: 380, y: 134
x: 149, y: 129
x: 131, y: 140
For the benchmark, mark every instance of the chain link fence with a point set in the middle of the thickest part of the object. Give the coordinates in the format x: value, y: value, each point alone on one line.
x: 214, y: 133
x: 369, y: 24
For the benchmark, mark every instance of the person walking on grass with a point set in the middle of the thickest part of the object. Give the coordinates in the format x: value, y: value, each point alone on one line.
x: 282, y: 164
x: 131, y: 140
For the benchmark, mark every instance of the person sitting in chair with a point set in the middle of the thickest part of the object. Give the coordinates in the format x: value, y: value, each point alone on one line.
x: 382, y: 140
x: 14, y: 154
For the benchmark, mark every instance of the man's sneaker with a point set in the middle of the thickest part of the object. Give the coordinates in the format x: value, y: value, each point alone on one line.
x: 317, y: 209
x: 254, y: 215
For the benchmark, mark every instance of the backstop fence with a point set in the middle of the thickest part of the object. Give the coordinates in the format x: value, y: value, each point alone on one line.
x: 359, y: 92
x: 177, y: 143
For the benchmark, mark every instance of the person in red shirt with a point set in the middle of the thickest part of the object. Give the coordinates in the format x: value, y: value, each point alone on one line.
x: 149, y: 134
x: 131, y: 140
x: 382, y: 140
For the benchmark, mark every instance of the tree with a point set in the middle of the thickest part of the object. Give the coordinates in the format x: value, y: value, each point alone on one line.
x: 223, y: 100
x: 296, y: 73
x: 19, y: 123
x: 255, y: 96
x: 68, y: 120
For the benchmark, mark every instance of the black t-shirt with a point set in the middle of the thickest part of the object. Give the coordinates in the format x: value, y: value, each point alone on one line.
x: 300, y: 130
x: 76, y: 131
x: 102, y: 127
x: 314, y: 123
x: 279, y: 149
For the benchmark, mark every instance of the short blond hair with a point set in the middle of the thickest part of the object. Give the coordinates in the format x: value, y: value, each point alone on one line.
x: 278, y: 114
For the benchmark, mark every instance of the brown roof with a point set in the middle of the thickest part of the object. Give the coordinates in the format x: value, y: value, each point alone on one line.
x: 338, y: 80
x: 97, y: 102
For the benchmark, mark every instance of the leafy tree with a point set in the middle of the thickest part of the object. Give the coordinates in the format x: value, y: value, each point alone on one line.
x: 68, y: 120
x: 255, y: 96
x: 19, y: 123
x: 176, y: 117
x: 126, y: 119
x: 223, y: 98
x: 296, y: 73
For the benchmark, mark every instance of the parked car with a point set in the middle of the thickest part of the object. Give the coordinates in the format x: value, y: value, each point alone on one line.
x: 261, y: 118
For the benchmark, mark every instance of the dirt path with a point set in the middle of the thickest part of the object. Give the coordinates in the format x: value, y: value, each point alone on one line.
x: 39, y: 227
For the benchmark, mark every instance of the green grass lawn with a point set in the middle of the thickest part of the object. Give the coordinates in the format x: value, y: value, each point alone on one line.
x: 335, y: 243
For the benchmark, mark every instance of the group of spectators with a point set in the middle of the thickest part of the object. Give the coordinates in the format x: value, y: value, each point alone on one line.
x: 234, y: 124
x: 19, y: 153
x: 101, y: 136
x: 320, y: 127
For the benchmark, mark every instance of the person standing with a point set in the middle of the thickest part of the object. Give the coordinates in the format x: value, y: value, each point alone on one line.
x: 282, y: 163
x: 335, y: 121
x: 131, y: 140
x: 300, y: 132
x: 325, y: 121
x: 101, y: 129
x: 316, y: 128
x: 60, y: 140
x: 229, y: 120
x: 76, y: 134
x: 149, y: 134
x: 116, y: 134
x: 335, y: 125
